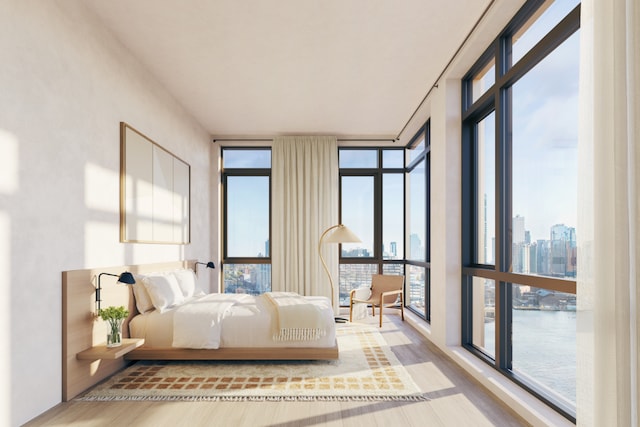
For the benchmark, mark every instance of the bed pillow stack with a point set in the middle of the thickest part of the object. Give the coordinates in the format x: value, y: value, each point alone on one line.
x: 143, y: 299
x: 164, y: 290
x: 187, y: 282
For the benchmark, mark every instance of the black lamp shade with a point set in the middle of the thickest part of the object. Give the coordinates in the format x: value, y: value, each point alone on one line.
x: 126, y: 278
x: 209, y: 264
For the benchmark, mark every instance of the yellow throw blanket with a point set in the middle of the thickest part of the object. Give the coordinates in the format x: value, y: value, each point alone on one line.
x: 294, y: 319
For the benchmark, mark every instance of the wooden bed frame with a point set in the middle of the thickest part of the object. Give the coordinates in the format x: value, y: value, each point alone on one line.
x: 257, y: 353
x: 83, y: 332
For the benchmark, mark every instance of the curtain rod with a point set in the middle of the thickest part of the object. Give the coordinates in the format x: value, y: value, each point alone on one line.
x: 271, y: 139
x: 435, y: 85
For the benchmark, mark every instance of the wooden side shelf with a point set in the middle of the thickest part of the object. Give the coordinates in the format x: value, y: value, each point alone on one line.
x: 102, y: 352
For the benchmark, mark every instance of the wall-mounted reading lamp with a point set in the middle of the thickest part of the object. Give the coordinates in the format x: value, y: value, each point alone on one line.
x: 209, y: 264
x: 126, y: 278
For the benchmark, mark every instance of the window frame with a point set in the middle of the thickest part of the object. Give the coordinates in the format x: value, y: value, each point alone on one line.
x: 498, y: 99
x: 376, y: 173
x: 424, y: 156
x: 241, y: 172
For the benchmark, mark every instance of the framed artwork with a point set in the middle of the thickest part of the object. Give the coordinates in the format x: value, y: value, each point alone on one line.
x: 155, y: 190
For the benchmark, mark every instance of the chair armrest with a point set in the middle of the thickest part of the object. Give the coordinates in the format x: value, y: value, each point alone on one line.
x: 397, y: 291
x: 352, y: 294
x: 388, y: 293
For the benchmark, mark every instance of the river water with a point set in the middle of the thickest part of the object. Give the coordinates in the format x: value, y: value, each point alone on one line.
x: 544, y: 348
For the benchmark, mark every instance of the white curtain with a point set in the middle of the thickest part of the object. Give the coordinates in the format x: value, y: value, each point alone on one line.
x: 305, y: 203
x: 607, y: 393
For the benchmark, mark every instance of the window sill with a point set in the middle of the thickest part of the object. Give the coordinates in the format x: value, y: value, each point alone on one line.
x: 519, y: 400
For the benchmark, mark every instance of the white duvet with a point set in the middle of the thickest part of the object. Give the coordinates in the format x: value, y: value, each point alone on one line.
x: 198, y: 324
x: 237, y: 321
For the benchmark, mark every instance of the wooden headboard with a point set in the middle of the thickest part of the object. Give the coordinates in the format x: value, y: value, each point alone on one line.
x: 82, y: 329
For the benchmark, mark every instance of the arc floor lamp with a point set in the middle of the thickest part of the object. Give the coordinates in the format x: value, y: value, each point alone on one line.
x: 338, y: 234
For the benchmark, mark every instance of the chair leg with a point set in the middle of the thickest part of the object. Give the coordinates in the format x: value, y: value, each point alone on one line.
x: 402, y: 308
x: 350, y: 310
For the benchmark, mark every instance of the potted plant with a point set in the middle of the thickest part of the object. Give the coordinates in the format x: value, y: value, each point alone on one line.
x: 114, y: 316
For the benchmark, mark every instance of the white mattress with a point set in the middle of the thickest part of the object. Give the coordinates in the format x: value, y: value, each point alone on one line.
x: 248, y: 324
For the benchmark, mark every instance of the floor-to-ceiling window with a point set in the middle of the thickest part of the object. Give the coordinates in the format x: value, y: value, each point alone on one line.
x: 417, y: 213
x: 520, y: 130
x: 246, y: 184
x: 372, y: 206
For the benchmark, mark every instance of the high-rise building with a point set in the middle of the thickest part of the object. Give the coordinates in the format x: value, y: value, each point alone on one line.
x: 544, y: 257
x: 562, y: 245
x: 533, y: 258
x: 416, y: 247
x: 518, y: 235
x: 394, y: 249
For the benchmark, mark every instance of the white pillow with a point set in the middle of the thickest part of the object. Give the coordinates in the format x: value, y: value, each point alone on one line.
x: 187, y: 281
x: 143, y: 299
x: 163, y: 290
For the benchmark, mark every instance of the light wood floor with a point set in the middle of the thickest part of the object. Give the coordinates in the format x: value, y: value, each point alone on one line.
x: 455, y: 400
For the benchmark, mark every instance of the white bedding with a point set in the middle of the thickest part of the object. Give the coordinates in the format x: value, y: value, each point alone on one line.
x: 246, y: 323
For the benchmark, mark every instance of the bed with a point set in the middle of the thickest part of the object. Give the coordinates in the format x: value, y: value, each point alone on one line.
x: 82, y: 330
x: 227, y: 326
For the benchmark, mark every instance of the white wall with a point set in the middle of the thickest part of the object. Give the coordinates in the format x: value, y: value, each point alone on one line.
x: 446, y: 197
x: 65, y: 84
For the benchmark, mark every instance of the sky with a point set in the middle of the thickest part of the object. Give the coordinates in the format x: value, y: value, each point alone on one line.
x: 545, y: 137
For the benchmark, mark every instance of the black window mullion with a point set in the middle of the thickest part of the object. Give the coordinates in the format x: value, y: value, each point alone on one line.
x: 377, y: 218
x: 499, y: 99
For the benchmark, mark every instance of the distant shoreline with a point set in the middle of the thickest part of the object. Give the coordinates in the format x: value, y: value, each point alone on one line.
x: 570, y: 308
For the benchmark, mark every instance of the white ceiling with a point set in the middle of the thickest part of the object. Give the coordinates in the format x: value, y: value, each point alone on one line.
x: 351, y: 68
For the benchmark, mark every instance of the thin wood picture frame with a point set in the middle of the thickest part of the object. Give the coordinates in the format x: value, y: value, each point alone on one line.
x: 155, y: 189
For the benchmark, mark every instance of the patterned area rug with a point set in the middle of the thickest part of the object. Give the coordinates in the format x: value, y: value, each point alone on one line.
x: 366, y: 370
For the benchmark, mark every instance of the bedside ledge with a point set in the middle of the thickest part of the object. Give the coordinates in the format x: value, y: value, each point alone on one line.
x: 112, y: 353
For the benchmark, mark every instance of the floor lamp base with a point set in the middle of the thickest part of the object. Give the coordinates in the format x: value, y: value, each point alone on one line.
x: 340, y: 320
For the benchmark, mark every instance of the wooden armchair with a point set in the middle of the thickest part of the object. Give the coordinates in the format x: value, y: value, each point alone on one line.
x: 386, y: 290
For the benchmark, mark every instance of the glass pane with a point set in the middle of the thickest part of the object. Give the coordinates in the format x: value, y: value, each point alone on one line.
x: 417, y: 149
x: 417, y: 212
x: 353, y: 276
x: 247, y: 216
x: 395, y: 269
x: 539, y: 25
x: 357, y: 214
x: 483, y: 80
x: 416, y: 288
x: 392, y: 158
x: 358, y: 158
x: 545, y: 165
x: 544, y: 339
x: 251, y: 279
x: 484, y: 305
x: 258, y: 158
x: 392, y: 216
x: 486, y: 202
